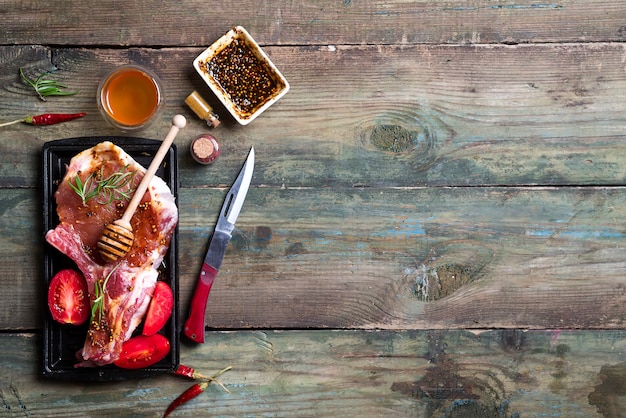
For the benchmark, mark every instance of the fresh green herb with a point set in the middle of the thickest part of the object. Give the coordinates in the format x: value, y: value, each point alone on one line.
x: 82, y: 189
x: 107, y: 189
x: 99, y: 290
x: 112, y: 188
x: 46, y: 87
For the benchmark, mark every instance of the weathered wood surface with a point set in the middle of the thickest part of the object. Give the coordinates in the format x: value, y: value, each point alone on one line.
x: 437, y: 168
x: 368, y: 258
x: 196, y: 22
x: 348, y: 194
x: 507, y: 373
x: 386, y: 116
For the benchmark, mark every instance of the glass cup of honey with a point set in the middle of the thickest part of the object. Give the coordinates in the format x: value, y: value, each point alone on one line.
x: 130, y: 97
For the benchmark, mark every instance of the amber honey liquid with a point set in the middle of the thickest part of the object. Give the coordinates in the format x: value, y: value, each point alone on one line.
x: 130, y: 97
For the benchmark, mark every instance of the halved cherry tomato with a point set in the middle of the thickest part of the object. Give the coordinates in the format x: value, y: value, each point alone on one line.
x: 68, y: 297
x: 160, y: 309
x: 143, y: 351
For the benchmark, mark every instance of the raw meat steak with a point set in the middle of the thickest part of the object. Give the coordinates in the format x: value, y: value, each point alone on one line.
x: 121, y: 290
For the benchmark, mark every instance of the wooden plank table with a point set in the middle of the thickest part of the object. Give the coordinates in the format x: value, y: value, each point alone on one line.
x: 434, y: 226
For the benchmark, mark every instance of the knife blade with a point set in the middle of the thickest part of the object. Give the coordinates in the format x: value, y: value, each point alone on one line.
x: 194, y: 325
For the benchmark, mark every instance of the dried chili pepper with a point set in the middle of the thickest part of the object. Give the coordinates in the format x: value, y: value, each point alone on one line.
x: 189, y: 372
x: 47, y: 119
x: 186, y: 396
x: 196, y: 389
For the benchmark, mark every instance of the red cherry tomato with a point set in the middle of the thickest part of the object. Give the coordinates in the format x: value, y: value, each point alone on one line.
x: 160, y: 309
x: 68, y: 297
x: 143, y: 351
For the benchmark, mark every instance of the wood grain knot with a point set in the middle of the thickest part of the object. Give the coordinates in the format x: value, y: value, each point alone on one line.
x: 394, y: 138
x: 407, y: 135
x: 438, y: 282
x: 453, y: 389
x: 449, y: 267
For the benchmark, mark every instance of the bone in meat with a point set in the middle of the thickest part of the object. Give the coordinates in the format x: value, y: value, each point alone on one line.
x: 131, y: 280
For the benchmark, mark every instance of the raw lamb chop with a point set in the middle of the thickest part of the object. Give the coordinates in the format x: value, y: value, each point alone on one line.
x: 121, y: 291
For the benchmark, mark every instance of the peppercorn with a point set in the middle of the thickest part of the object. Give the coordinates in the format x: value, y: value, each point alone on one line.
x: 242, y: 76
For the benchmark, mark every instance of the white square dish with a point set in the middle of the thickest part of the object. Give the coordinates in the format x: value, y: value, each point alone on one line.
x: 241, y: 75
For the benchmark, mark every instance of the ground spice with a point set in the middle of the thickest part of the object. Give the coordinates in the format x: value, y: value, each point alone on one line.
x: 202, y: 109
x: 247, y: 80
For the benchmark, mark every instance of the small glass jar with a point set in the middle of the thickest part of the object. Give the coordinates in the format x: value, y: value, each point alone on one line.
x: 202, y: 109
x: 130, y: 97
x: 205, y: 149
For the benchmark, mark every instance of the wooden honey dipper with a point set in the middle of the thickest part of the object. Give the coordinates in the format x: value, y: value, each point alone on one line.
x: 117, y: 237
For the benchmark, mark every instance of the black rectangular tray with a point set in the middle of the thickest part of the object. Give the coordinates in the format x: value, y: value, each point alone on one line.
x: 61, y: 342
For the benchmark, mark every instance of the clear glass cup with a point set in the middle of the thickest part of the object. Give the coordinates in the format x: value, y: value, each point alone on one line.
x: 130, y: 97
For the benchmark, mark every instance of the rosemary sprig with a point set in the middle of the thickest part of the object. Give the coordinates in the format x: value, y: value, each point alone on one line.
x: 99, y: 290
x: 112, y: 188
x: 107, y: 189
x: 46, y: 87
x: 82, y: 189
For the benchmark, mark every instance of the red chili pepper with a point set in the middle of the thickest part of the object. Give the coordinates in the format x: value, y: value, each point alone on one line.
x: 47, y: 119
x: 185, y: 371
x: 186, y: 396
x: 196, y: 389
x: 189, y: 372
x: 52, y: 118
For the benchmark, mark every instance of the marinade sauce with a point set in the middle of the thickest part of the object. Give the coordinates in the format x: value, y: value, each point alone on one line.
x: 242, y: 76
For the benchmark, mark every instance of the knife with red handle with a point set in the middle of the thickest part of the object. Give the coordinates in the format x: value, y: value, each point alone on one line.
x: 194, y: 325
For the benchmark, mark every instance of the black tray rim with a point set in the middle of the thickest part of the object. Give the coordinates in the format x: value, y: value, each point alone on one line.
x: 132, y: 146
